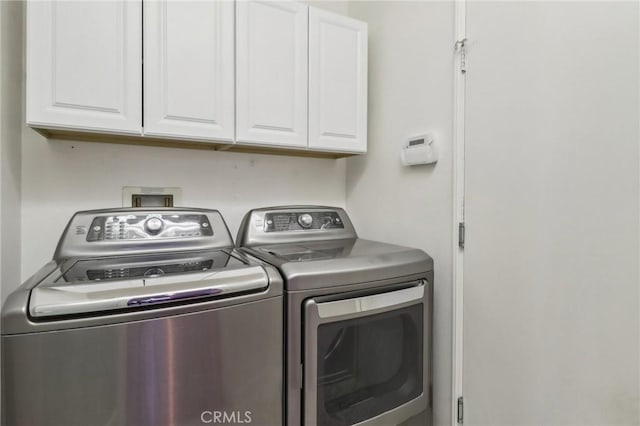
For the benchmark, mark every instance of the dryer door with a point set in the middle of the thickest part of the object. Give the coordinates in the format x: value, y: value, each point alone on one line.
x: 364, y: 359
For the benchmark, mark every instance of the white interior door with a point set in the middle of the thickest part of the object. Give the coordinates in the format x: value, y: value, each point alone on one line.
x: 271, y: 39
x: 189, y: 69
x: 84, y: 65
x: 551, y: 284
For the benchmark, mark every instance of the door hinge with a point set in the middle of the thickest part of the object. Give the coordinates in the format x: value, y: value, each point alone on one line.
x: 300, y: 375
x: 461, y: 231
x: 460, y: 410
x: 461, y: 48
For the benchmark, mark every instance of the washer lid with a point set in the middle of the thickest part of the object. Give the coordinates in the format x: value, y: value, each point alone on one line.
x: 107, y: 284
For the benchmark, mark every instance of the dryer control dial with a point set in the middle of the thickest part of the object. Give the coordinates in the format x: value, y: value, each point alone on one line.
x: 305, y: 220
x: 153, y: 225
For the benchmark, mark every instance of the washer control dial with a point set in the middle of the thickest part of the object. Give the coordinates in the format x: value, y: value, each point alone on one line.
x: 153, y: 225
x: 305, y: 220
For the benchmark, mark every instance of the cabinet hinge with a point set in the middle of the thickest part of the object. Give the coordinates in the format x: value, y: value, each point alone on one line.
x: 461, y: 232
x: 460, y: 410
x: 462, y: 50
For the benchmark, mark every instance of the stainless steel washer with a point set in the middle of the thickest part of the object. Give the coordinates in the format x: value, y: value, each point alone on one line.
x: 144, y: 317
x: 358, y: 319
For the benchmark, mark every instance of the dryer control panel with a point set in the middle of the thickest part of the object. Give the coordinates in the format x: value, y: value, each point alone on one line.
x: 275, y: 225
x: 300, y: 221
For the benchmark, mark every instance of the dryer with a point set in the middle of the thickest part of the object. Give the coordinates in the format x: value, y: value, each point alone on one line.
x: 144, y: 317
x: 358, y: 318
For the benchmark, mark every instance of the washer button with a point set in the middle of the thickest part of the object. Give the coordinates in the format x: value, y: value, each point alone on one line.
x: 305, y: 220
x: 153, y: 225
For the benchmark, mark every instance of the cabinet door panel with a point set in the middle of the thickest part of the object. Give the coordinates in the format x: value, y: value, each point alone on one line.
x: 84, y: 65
x: 188, y: 72
x: 337, y: 82
x: 272, y: 73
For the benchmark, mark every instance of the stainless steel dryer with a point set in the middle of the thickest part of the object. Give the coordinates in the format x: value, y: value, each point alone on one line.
x: 144, y: 317
x: 358, y: 319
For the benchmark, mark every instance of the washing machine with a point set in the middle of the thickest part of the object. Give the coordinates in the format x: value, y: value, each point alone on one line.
x: 144, y: 317
x: 358, y: 337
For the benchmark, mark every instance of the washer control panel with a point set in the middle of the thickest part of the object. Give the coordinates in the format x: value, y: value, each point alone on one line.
x: 301, y: 221
x: 132, y: 231
x: 146, y: 226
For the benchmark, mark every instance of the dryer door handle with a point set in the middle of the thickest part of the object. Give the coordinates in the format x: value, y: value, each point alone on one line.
x: 367, y: 305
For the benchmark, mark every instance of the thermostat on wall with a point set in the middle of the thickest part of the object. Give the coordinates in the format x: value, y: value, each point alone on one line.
x: 419, y: 150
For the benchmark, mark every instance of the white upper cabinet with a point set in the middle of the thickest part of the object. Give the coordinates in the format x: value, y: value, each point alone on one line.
x: 263, y: 73
x: 337, y: 82
x: 271, y: 72
x: 84, y: 65
x: 189, y: 69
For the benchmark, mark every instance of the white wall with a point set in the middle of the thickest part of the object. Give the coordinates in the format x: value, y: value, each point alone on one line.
x: 551, y: 287
x: 10, y: 128
x: 61, y: 177
x: 410, y: 92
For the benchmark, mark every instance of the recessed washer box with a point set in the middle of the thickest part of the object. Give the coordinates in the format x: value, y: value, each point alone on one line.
x: 147, y: 196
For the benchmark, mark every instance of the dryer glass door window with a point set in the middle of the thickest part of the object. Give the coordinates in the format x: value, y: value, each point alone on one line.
x: 365, y: 365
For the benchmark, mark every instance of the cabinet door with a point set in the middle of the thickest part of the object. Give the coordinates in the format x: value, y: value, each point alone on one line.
x: 337, y: 82
x: 272, y: 73
x: 188, y: 69
x: 84, y: 65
